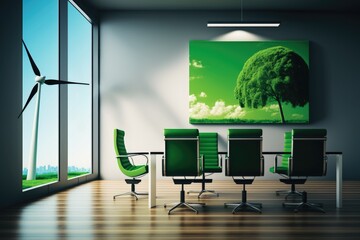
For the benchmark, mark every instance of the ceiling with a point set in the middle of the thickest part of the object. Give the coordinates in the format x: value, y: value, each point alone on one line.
x: 275, y: 5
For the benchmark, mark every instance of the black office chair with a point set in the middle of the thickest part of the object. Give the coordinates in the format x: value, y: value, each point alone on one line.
x: 209, y: 150
x: 244, y: 159
x: 308, y: 159
x: 282, y: 169
x: 181, y: 159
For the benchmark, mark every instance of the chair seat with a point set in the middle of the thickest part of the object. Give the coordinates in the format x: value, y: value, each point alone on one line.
x: 202, y: 180
x: 243, y: 181
x: 212, y: 169
x: 280, y: 170
x: 183, y: 181
x: 132, y: 181
x: 293, y: 180
x: 134, y: 171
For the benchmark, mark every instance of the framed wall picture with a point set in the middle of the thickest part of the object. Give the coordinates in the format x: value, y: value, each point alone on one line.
x: 249, y: 82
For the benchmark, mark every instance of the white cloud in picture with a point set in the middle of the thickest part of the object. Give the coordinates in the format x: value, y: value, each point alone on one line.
x: 200, y: 110
x: 203, y: 95
x: 271, y: 108
x: 196, y: 64
x: 238, y: 112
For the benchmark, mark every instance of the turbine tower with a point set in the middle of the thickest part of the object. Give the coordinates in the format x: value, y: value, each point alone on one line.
x: 40, y: 80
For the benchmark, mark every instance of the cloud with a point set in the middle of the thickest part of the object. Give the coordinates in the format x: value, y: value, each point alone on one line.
x: 271, y: 108
x: 203, y: 95
x: 192, y: 99
x: 219, y: 110
x: 238, y: 112
x: 196, y: 64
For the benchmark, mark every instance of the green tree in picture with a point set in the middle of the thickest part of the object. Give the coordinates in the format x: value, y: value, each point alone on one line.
x: 275, y: 73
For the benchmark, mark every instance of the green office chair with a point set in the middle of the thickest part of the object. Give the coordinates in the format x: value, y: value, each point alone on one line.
x: 209, y: 150
x: 128, y: 168
x: 182, y: 158
x: 244, y: 159
x: 282, y: 169
x: 308, y: 158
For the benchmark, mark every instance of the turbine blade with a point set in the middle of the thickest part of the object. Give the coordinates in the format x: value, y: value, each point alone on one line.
x: 57, y: 82
x: 32, y: 94
x: 33, y: 65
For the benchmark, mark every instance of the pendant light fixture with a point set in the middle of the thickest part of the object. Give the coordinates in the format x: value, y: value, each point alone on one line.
x: 242, y: 24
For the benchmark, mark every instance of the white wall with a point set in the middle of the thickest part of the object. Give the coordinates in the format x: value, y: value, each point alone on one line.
x: 144, y: 78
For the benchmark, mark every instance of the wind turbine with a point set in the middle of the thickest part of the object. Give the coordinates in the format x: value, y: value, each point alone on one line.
x: 40, y: 80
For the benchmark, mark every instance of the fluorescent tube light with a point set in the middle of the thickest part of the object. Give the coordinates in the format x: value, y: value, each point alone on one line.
x: 241, y: 24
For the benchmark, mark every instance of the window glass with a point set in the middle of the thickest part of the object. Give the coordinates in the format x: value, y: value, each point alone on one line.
x: 79, y: 96
x: 40, y: 33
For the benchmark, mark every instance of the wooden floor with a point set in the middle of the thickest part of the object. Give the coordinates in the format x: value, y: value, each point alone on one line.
x: 89, y: 212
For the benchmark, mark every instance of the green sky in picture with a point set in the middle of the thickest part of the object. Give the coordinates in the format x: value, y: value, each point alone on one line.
x: 214, y: 69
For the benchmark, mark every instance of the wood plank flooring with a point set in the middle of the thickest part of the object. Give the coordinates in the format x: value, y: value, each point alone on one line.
x: 89, y: 212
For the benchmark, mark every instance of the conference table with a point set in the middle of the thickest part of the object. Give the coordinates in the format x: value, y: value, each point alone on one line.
x: 339, y: 177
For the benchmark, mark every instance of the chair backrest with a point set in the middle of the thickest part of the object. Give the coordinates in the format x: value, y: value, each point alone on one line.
x: 209, y: 149
x: 245, y: 153
x: 308, y: 156
x: 120, y: 150
x: 287, y: 148
x: 181, y: 156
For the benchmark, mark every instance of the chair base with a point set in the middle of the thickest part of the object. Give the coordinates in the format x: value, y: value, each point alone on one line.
x: 305, y: 205
x: 185, y: 204
x: 289, y: 193
x: 132, y: 192
x: 292, y: 192
x: 182, y: 198
x: 245, y: 205
x: 204, y: 191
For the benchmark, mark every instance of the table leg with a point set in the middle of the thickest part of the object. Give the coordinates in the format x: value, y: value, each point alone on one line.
x: 152, y: 181
x: 339, y: 180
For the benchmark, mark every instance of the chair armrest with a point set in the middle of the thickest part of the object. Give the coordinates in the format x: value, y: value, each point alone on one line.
x: 325, y: 165
x: 276, y: 162
x: 262, y: 165
x: 202, y: 164
x: 163, y: 165
x: 226, y: 165
x: 130, y: 155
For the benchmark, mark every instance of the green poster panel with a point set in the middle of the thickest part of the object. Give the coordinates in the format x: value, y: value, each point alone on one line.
x: 249, y: 82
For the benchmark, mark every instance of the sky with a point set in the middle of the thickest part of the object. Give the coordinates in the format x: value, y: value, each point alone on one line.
x: 40, y: 33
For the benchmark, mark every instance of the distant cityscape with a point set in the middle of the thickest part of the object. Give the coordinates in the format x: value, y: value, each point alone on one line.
x: 52, y: 169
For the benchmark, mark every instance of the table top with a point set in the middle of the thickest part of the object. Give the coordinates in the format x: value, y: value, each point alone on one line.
x: 264, y: 152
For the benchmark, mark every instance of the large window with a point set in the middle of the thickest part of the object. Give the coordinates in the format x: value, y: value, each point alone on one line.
x: 79, y: 96
x: 40, y: 144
